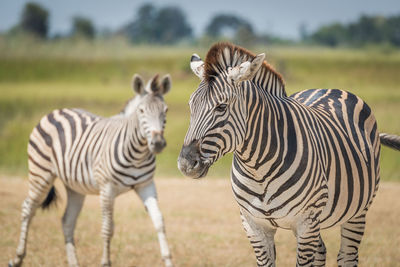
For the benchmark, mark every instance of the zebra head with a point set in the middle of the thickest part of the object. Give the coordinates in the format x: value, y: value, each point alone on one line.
x: 151, y: 109
x: 218, y: 108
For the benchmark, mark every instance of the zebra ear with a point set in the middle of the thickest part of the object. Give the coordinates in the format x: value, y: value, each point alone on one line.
x: 165, y: 84
x: 246, y: 70
x: 197, y: 66
x: 138, y: 84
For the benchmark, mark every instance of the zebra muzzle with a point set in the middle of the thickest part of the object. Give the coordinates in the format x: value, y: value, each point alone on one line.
x: 157, y: 142
x: 190, y: 163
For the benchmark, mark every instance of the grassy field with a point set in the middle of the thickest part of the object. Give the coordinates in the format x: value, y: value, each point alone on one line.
x: 203, y: 228
x: 202, y: 218
x: 37, y: 77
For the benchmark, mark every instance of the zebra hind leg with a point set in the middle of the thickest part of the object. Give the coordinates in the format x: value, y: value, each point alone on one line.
x: 351, y: 235
x: 74, y: 206
x: 39, y: 189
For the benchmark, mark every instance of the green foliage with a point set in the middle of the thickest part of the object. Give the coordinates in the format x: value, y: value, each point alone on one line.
x: 83, y: 27
x: 165, y: 25
x: 223, y: 21
x: 35, y: 20
x: 91, y: 76
x: 367, y: 30
x: 331, y: 35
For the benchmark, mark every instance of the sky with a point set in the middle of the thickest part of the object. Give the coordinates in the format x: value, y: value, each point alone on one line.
x: 279, y: 17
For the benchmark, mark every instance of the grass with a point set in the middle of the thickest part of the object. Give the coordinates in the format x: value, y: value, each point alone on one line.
x: 202, y: 219
x: 202, y: 223
x: 96, y: 76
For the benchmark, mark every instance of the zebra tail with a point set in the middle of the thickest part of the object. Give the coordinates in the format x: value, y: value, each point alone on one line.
x: 390, y: 140
x: 50, y: 199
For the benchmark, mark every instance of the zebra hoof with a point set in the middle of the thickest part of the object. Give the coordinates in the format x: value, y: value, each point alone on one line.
x: 13, y: 263
x: 168, y: 262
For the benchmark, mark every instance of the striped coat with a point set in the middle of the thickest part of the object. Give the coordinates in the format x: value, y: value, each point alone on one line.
x: 304, y: 162
x: 96, y: 155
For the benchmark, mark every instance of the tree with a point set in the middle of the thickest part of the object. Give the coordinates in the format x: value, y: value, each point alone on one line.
x: 35, y: 20
x: 392, y: 30
x: 152, y: 25
x: 171, y: 25
x: 367, y: 30
x: 142, y: 29
x: 83, y: 27
x: 331, y: 35
x: 225, y: 21
x: 245, y: 37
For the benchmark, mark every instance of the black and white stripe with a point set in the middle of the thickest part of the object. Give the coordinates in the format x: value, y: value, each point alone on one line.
x: 96, y: 155
x: 305, y: 162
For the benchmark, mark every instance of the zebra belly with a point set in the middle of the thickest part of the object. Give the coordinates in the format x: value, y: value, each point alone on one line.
x: 81, y: 184
x: 271, y: 222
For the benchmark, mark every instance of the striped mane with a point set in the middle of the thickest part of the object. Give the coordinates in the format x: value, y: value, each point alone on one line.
x: 129, y: 107
x: 224, y: 55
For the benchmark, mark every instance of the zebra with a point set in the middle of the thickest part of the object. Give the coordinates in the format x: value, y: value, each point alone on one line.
x: 96, y: 155
x: 303, y: 162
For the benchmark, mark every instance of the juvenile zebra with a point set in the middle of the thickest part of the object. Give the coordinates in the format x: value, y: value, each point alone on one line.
x: 304, y: 162
x: 95, y: 155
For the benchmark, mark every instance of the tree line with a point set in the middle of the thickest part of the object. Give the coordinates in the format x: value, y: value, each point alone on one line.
x: 367, y: 30
x: 168, y: 25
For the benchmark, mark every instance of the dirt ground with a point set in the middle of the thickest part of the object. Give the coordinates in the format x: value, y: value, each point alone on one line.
x: 202, y: 223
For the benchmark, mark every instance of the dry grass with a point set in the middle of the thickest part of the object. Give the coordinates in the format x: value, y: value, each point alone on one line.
x: 202, y: 222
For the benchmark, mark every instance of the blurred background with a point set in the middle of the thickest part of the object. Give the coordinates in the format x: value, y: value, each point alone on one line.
x: 84, y: 53
x: 76, y: 53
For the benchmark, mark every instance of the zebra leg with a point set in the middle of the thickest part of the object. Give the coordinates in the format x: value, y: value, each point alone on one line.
x: 74, y: 206
x: 39, y: 187
x: 351, y: 234
x: 320, y: 255
x: 107, y: 197
x: 148, y: 194
x: 262, y: 240
x: 310, y: 247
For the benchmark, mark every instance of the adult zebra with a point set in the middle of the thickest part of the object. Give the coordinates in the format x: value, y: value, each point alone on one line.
x: 95, y: 155
x: 305, y: 162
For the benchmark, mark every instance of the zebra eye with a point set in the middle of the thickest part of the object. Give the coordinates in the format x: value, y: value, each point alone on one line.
x: 221, y: 107
x: 141, y: 111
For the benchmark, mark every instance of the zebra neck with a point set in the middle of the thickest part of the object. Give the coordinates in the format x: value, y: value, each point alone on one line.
x: 267, y: 125
x: 270, y: 82
x: 134, y: 148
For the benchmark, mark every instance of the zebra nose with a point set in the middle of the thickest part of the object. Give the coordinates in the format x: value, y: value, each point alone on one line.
x: 189, y: 162
x: 157, y: 143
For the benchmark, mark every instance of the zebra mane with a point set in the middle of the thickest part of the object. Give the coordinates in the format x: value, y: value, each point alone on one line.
x: 129, y: 107
x: 223, y: 55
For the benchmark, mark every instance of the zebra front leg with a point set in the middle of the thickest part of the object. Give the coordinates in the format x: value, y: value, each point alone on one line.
x: 262, y: 240
x: 107, y: 197
x: 148, y: 194
x: 310, y: 247
x: 351, y: 235
x: 320, y: 256
x: 74, y: 206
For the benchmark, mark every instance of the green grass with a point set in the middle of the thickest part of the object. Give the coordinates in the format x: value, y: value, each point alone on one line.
x: 37, y: 77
